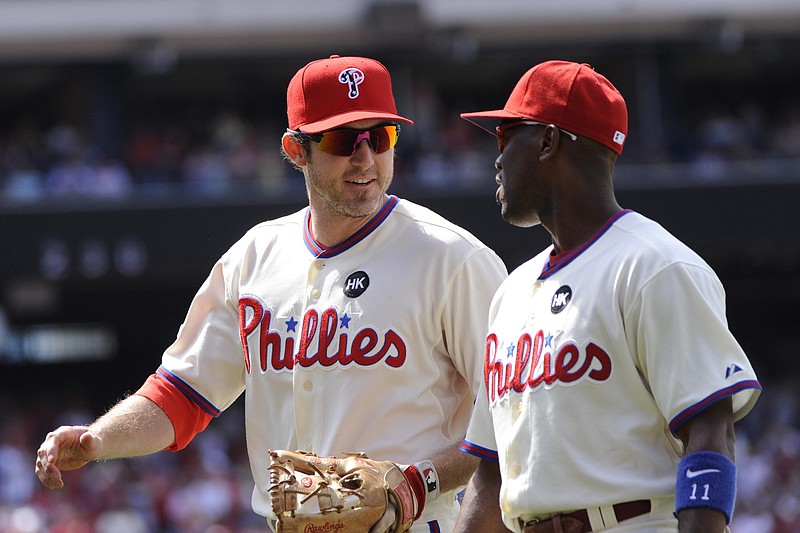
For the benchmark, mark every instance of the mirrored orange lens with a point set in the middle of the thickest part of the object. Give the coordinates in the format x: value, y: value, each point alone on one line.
x: 345, y: 142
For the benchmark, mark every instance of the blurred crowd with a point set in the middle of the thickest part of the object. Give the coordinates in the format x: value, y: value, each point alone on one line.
x: 230, y: 155
x: 747, y: 134
x: 206, y: 487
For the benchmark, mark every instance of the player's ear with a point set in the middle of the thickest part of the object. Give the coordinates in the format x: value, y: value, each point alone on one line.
x: 294, y: 150
x: 549, y: 142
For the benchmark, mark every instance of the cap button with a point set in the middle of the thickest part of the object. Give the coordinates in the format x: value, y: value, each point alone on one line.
x: 334, y: 56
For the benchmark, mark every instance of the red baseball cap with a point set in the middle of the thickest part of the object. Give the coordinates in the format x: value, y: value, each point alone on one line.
x: 570, y: 95
x: 328, y: 93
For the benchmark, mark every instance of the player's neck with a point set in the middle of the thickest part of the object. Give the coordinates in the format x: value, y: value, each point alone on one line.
x: 572, y: 231
x: 330, y: 228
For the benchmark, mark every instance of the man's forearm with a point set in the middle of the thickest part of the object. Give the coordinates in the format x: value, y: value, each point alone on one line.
x: 453, y: 466
x: 480, y: 511
x: 133, y: 427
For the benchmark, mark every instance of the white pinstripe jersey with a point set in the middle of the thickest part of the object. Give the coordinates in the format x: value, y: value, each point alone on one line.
x: 593, y: 362
x: 373, y: 345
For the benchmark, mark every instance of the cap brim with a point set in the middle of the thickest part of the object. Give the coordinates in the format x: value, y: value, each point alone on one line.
x: 487, y: 120
x: 338, y: 121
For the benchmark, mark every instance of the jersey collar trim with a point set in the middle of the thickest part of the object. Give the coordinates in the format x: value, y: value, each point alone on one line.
x: 551, y: 268
x: 321, y: 251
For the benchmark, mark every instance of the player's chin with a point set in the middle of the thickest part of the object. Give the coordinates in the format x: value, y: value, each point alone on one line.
x: 516, y: 217
x: 520, y: 222
x: 361, y: 204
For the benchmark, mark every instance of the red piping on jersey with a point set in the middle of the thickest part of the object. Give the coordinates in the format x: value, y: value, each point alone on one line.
x: 479, y: 451
x: 186, y: 416
x: 550, y: 269
x: 188, y: 391
x: 320, y: 251
x: 691, y: 411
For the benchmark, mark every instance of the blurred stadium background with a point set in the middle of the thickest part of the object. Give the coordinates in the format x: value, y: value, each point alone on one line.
x: 138, y: 140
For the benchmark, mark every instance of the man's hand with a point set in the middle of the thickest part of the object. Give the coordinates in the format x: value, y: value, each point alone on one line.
x: 66, y: 448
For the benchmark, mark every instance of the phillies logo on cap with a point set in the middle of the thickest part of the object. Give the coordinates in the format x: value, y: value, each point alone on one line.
x: 352, y: 77
x: 329, y: 93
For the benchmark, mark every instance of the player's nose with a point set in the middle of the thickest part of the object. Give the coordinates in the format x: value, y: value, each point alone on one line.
x: 364, y: 155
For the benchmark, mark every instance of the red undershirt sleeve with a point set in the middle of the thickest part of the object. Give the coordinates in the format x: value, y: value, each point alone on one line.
x: 187, y: 417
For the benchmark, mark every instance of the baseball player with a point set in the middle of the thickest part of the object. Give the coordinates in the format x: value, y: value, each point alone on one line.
x: 611, y: 380
x: 354, y: 325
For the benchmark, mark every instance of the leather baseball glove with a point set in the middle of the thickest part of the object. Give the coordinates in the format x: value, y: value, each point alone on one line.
x: 342, y: 495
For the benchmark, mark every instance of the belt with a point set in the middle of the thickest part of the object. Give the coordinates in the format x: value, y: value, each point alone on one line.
x: 578, y: 521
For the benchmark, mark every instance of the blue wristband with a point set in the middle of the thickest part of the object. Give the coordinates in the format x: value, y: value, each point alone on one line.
x: 707, y: 480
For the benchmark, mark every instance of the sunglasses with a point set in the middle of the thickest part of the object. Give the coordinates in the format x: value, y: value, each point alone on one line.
x: 344, y: 142
x: 502, y: 128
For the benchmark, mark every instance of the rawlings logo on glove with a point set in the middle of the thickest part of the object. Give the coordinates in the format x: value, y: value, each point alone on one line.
x: 312, y: 494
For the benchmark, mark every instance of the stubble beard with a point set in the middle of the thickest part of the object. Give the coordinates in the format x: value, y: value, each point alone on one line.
x: 362, y: 204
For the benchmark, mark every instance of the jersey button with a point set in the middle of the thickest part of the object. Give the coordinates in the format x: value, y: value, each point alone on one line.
x: 308, y: 386
x: 516, y: 409
x: 319, y: 265
x: 315, y: 293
